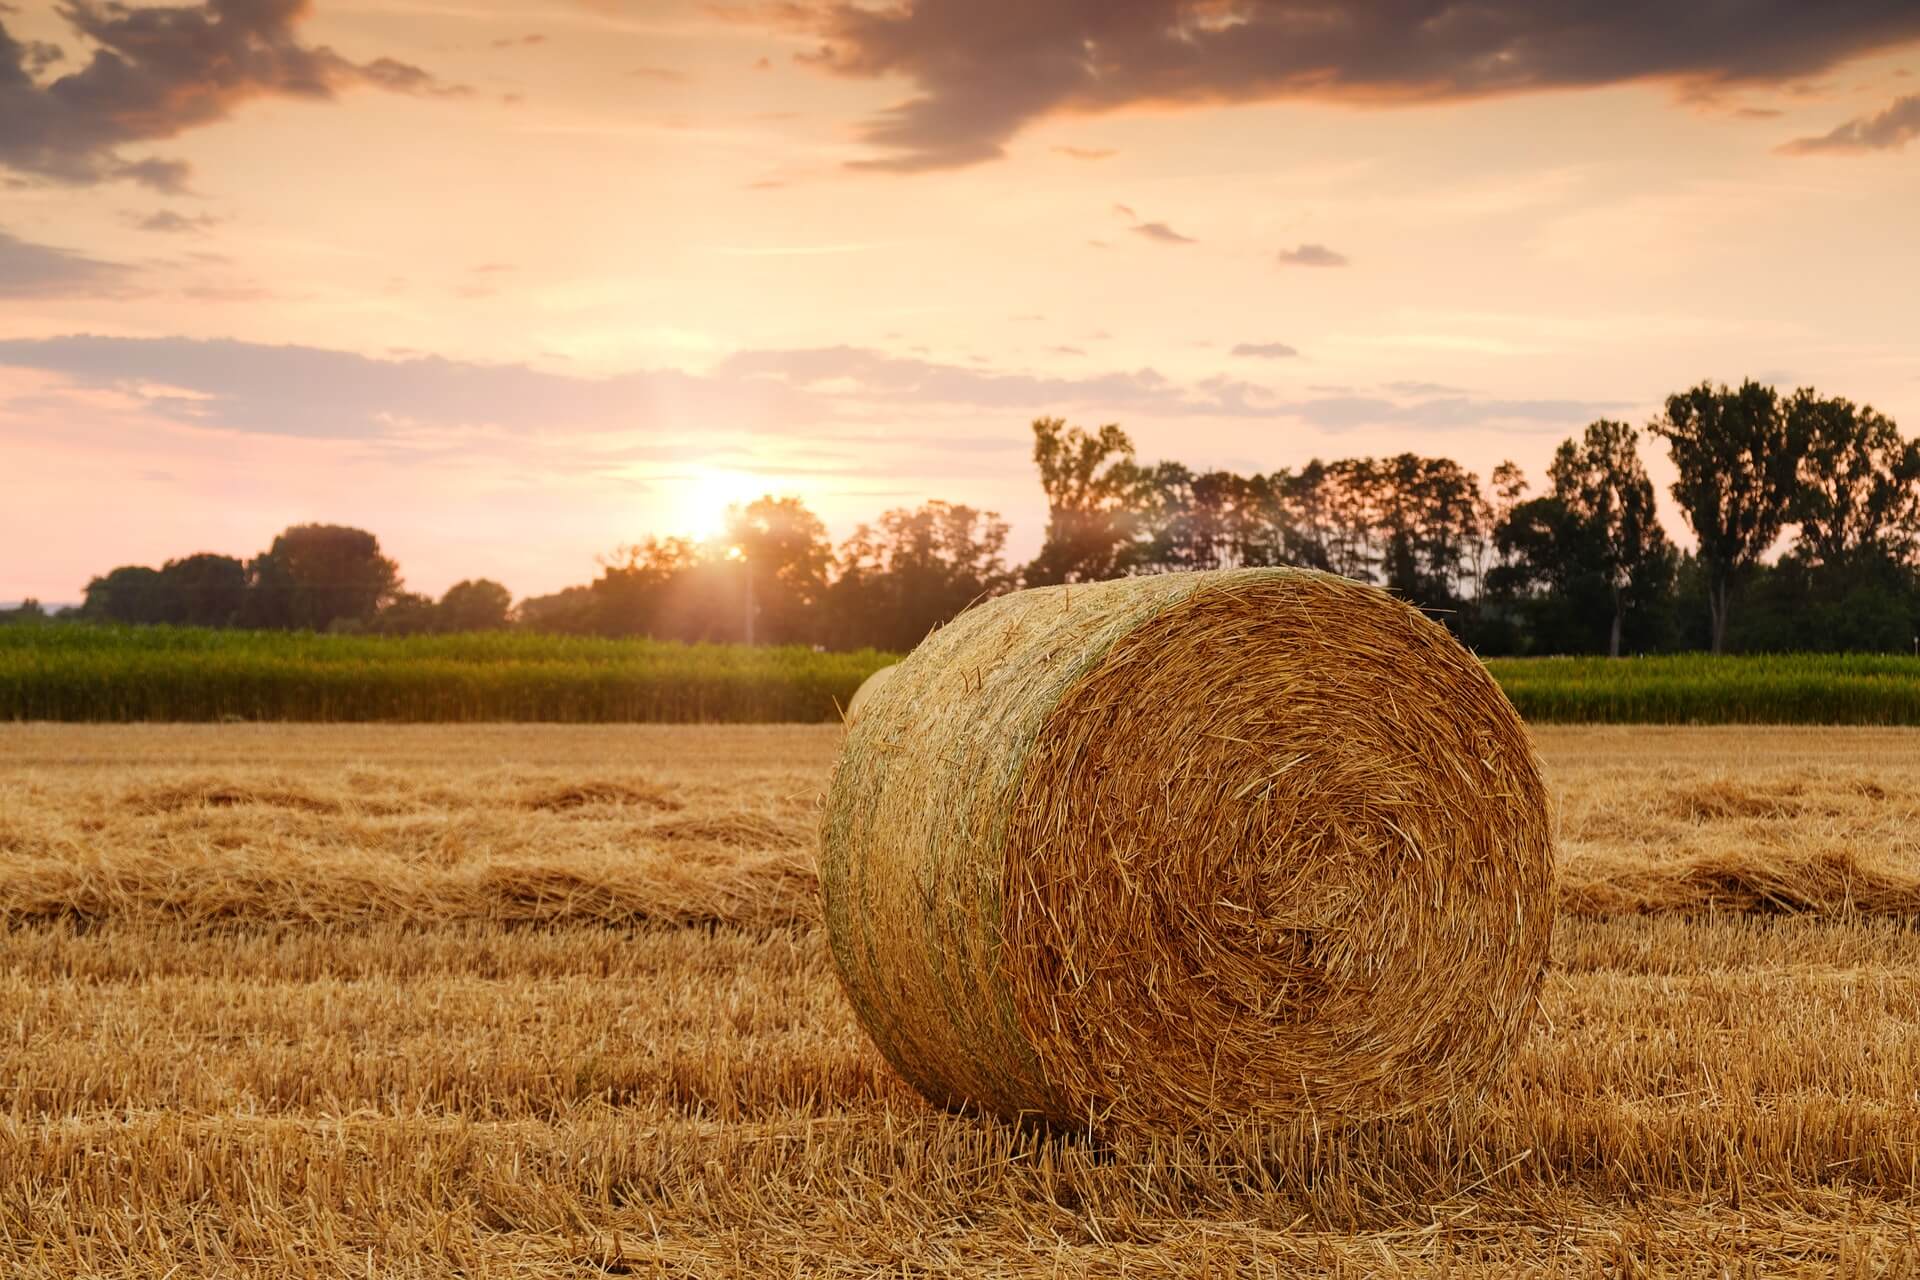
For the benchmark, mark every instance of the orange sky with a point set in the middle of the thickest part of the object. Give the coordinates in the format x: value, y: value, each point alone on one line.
x: 512, y: 283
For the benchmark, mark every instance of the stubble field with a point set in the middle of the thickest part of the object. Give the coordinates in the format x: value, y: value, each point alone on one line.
x: 544, y: 1001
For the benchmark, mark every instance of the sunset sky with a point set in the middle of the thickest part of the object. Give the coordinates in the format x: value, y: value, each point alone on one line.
x: 511, y: 282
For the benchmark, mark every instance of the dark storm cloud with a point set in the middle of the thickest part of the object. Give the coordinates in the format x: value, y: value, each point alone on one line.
x: 1312, y: 255
x: 29, y: 270
x: 986, y: 68
x: 1889, y: 130
x: 1265, y: 350
x: 155, y: 73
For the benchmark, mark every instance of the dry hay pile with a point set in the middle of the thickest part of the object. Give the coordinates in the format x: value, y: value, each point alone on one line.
x: 868, y: 687
x: 1190, y: 851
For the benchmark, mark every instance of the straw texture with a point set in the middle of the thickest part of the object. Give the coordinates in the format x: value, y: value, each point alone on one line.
x: 868, y: 687
x: 1190, y: 851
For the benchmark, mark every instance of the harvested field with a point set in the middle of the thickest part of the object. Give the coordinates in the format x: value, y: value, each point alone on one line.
x: 546, y: 1001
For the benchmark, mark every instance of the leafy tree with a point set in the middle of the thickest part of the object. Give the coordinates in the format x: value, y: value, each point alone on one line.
x: 1857, y: 495
x: 649, y: 588
x: 1210, y: 520
x: 912, y: 571
x: 1737, y: 461
x: 1430, y: 520
x: 317, y: 574
x: 133, y: 593
x: 1303, y: 515
x: 476, y: 604
x: 1550, y: 572
x: 1603, y: 486
x: 1351, y: 492
x: 1094, y: 494
x: 785, y: 555
x: 204, y: 590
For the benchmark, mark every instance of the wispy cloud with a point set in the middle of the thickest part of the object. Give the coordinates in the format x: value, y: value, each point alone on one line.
x: 1159, y: 231
x: 1311, y: 255
x: 1265, y: 350
x: 312, y: 392
x: 796, y: 250
x: 172, y: 223
x: 29, y: 270
x: 1162, y: 232
x: 1889, y: 130
x: 316, y: 392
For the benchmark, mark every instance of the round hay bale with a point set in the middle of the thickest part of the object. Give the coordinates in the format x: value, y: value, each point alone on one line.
x: 1190, y: 851
x: 868, y: 687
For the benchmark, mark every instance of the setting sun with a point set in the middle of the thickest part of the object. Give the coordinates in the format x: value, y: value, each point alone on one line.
x: 700, y: 501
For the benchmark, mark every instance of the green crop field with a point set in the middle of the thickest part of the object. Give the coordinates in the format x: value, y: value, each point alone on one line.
x: 165, y: 673
x: 1698, y: 688
x: 162, y: 673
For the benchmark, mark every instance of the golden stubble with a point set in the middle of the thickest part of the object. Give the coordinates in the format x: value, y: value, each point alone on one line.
x: 535, y: 1001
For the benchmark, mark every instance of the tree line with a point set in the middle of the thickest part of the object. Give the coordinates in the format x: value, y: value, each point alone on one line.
x: 1804, y: 512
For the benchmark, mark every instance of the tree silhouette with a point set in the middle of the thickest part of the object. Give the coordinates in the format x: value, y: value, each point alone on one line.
x: 1602, y: 484
x: 476, y: 604
x: 204, y: 590
x: 1858, y: 486
x: 133, y: 593
x: 784, y: 555
x: 1095, y: 494
x: 912, y: 570
x: 315, y: 575
x: 1737, y: 461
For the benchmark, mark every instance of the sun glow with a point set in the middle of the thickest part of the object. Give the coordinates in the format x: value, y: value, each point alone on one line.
x: 700, y: 502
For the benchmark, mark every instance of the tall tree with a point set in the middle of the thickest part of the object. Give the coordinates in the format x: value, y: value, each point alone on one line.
x: 913, y: 570
x: 655, y: 588
x: 1858, y: 490
x: 316, y: 574
x: 1429, y: 519
x: 1303, y: 513
x: 1352, y: 490
x: 1095, y: 493
x: 1737, y: 461
x: 785, y: 554
x: 1602, y: 483
x: 1211, y: 520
